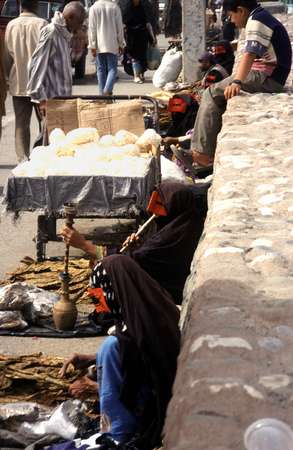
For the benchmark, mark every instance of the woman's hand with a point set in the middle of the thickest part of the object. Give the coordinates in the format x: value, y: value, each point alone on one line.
x: 83, y: 387
x: 170, y: 140
x: 43, y: 107
x: 78, y: 361
x: 73, y: 237
x: 131, y: 241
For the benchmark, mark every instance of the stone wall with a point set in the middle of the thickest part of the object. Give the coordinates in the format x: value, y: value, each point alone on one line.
x: 236, y: 363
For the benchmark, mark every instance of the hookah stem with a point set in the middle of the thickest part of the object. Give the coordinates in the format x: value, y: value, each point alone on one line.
x: 69, y: 213
x: 66, y: 259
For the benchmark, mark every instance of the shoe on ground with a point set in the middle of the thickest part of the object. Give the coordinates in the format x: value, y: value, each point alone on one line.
x: 138, y: 80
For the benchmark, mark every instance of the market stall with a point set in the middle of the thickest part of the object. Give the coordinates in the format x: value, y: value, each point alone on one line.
x: 98, y: 157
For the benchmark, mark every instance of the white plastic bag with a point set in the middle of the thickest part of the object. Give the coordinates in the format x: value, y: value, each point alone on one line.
x: 12, y: 320
x: 171, y: 172
x: 35, y: 304
x: 169, y: 69
x: 65, y: 421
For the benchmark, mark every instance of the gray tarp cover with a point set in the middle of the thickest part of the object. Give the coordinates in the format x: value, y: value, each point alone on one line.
x: 99, y: 195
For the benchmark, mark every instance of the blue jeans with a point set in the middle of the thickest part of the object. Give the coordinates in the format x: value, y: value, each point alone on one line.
x: 122, y: 422
x: 106, y: 72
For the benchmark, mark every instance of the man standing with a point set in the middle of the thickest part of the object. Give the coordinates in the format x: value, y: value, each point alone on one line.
x: 264, y: 67
x: 50, y: 72
x: 106, y: 41
x: 2, y: 84
x: 21, y: 38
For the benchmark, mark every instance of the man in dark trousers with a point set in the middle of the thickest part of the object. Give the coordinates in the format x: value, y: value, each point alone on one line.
x: 21, y: 39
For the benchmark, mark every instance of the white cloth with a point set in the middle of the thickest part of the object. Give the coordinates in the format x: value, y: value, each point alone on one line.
x: 105, y: 27
x: 21, y: 38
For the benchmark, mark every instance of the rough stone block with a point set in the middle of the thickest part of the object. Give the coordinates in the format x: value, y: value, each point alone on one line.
x: 235, y: 365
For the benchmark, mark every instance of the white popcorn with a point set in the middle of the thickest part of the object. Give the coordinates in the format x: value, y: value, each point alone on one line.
x: 56, y: 135
x: 107, y: 140
x: 82, y: 136
x: 149, y: 137
x: 131, y: 150
x: 124, y: 137
x: 63, y: 148
x: 65, y: 157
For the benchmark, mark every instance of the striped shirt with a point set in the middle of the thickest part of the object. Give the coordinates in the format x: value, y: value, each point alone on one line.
x: 50, y: 73
x: 266, y: 37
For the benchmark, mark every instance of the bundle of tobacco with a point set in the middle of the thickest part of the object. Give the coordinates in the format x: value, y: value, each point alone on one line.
x: 45, y: 275
x: 35, y: 378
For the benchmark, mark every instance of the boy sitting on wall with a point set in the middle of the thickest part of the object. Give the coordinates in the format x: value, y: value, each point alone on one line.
x: 263, y: 67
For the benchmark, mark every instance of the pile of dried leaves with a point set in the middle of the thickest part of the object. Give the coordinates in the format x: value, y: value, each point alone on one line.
x: 35, y: 378
x: 45, y: 275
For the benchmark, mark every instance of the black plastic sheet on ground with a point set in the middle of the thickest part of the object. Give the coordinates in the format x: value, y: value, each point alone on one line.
x: 47, y: 330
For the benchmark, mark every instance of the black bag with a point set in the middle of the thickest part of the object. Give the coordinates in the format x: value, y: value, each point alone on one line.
x: 127, y: 64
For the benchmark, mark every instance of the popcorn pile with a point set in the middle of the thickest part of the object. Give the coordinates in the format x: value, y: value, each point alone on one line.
x: 83, y: 152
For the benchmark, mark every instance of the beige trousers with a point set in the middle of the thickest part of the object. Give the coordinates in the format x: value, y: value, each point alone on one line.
x: 208, y: 121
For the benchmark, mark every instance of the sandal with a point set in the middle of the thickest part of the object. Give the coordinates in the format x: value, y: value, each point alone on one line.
x: 196, y: 171
x: 137, y: 80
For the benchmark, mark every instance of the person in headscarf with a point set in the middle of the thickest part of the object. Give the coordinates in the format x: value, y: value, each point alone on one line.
x: 139, y: 29
x: 137, y: 366
x: 166, y: 255
x: 173, y: 18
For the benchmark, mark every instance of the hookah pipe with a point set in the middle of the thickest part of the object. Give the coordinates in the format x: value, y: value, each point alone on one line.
x: 156, y: 208
x: 65, y: 311
x: 69, y: 212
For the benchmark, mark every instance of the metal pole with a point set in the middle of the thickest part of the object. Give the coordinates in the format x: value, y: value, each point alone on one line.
x: 193, y: 30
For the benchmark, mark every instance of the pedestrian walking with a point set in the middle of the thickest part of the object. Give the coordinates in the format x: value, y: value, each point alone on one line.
x: 2, y: 84
x: 50, y: 71
x: 137, y: 18
x: 21, y: 38
x: 106, y: 41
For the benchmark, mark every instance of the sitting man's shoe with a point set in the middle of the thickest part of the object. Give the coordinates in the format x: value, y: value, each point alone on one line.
x: 138, y: 80
x: 195, y: 169
x: 201, y: 159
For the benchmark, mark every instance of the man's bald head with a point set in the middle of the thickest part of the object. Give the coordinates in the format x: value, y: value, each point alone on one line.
x: 74, y: 15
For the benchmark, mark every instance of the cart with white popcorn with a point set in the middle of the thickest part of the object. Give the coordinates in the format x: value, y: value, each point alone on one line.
x: 101, y: 156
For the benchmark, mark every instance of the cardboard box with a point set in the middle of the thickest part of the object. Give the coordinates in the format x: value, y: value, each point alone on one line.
x: 107, y: 118
x: 62, y: 114
x: 111, y: 118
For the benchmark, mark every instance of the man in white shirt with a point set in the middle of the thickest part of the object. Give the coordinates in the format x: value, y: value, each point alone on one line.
x: 21, y: 38
x: 106, y: 41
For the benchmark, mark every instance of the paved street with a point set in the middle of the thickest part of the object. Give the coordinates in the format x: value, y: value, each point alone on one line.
x: 16, y: 238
